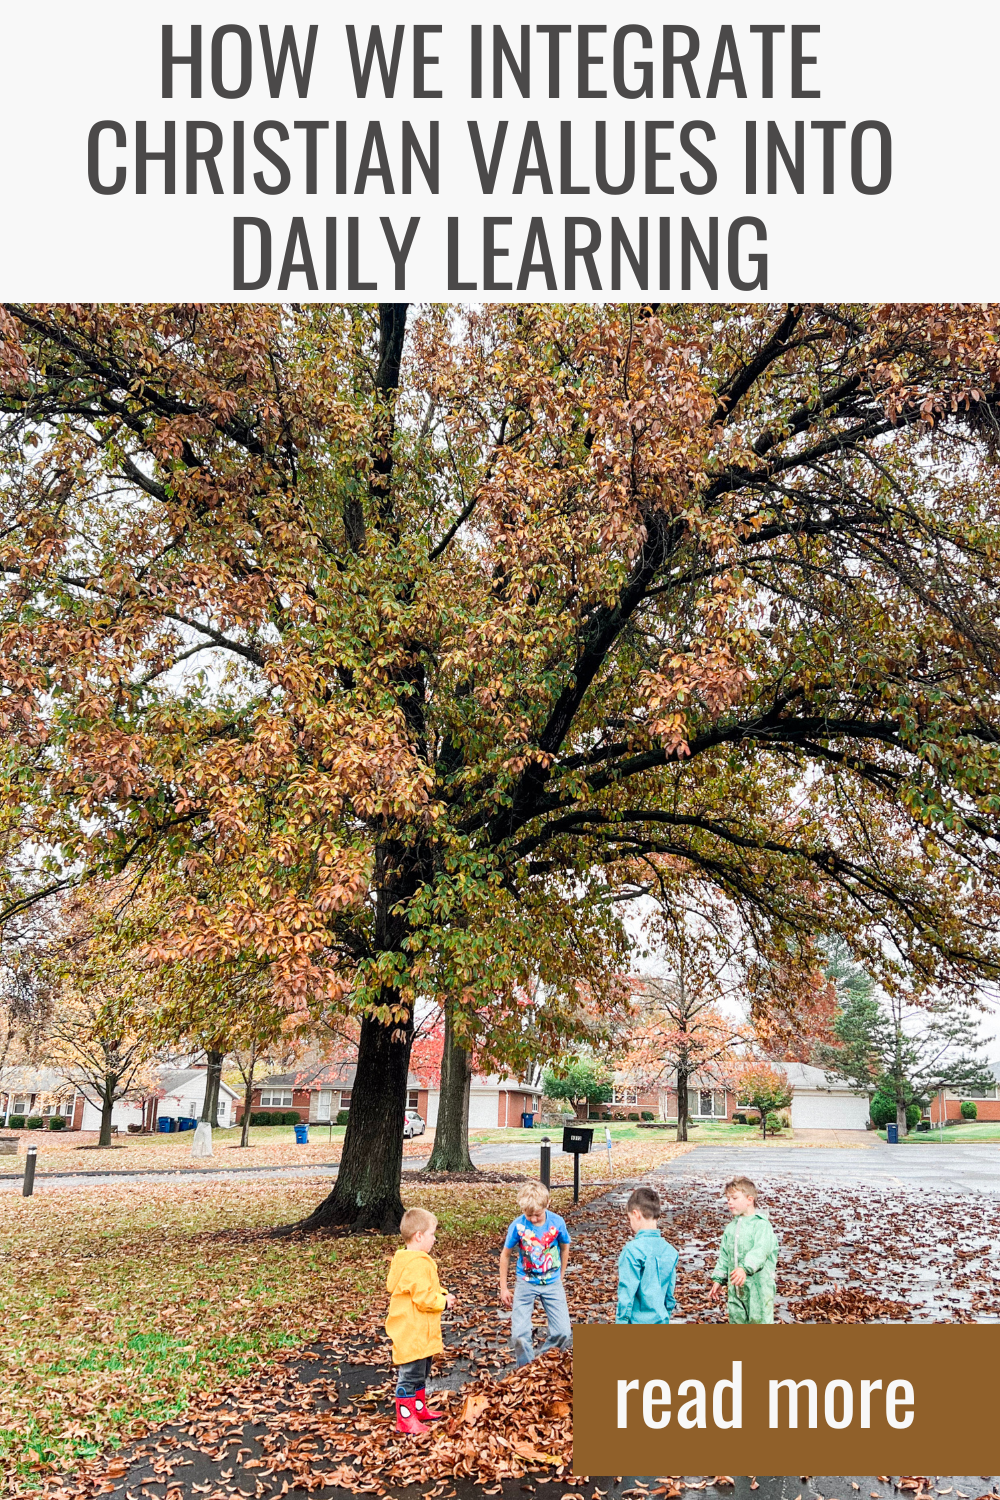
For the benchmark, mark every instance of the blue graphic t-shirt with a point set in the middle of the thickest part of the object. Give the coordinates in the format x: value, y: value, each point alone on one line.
x: 538, y: 1257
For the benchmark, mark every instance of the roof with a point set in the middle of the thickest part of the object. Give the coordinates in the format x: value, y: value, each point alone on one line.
x: 175, y: 1083
x: 26, y: 1079
x: 803, y: 1077
x: 325, y: 1075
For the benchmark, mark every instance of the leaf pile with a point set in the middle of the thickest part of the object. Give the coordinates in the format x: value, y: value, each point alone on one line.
x: 849, y: 1305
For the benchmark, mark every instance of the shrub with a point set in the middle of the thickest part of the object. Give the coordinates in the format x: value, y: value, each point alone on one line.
x: 633, y: 1117
x: 968, y: 1109
x: 261, y: 1117
x: 15, y: 1122
x: 913, y: 1113
x: 35, y: 1122
x: 342, y: 1117
x: 773, y: 1123
x: 57, y: 1122
x: 289, y: 1117
x: 739, y: 1118
x: 647, y: 1114
x: 883, y: 1110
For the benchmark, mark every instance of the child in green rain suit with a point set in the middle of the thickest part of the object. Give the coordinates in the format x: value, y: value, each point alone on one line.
x: 747, y: 1257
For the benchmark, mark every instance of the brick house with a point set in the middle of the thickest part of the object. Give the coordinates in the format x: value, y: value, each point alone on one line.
x: 708, y: 1099
x: 319, y: 1092
x: 987, y: 1101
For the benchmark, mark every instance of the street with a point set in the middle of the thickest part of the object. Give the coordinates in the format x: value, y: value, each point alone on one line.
x: 953, y: 1169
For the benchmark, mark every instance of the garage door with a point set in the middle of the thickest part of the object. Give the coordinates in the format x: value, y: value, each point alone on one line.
x: 818, y: 1111
x: 483, y: 1109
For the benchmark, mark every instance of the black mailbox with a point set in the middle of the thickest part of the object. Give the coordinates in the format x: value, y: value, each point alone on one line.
x: 576, y: 1140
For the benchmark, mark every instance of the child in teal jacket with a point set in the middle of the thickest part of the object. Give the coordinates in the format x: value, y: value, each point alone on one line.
x: 747, y: 1259
x: 647, y: 1266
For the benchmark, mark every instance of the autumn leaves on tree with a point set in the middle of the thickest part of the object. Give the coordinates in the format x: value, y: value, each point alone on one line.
x: 381, y: 643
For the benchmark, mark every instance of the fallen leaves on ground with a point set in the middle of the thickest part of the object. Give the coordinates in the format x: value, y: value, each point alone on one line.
x: 849, y: 1305
x: 270, y: 1146
x: 152, y: 1304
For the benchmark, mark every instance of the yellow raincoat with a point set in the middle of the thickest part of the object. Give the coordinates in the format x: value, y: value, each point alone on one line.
x: 415, y: 1306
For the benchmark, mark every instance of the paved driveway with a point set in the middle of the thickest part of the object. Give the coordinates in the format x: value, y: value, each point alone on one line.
x: 954, y: 1169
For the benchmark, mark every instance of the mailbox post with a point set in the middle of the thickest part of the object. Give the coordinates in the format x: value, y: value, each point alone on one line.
x: 545, y: 1162
x: 576, y: 1143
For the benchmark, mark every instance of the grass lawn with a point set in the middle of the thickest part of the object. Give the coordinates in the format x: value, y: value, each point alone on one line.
x: 125, y: 1304
x: 122, y: 1306
x: 952, y: 1135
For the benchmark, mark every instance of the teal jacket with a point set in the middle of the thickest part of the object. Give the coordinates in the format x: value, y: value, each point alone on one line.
x: 647, y: 1268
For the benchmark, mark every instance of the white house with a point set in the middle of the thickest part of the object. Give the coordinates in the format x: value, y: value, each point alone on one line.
x: 821, y: 1104
x: 23, y: 1090
x: 124, y: 1112
x: 183, y: 1098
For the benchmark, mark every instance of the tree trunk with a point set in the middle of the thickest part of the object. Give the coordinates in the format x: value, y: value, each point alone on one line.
x: 451, y: 1134
x: 107, y: 1105
x: 682, y: 1104
x: 366, y: 1193
x: 247, y: 1102
x: 901, y: 1117
x: 213, y: 1077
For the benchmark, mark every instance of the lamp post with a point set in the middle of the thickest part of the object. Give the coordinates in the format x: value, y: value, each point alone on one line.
x: 28, y: 1186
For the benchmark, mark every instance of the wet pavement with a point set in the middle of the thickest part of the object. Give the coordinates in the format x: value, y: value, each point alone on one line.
x: 974, y: 1168
x: 927, y: 1252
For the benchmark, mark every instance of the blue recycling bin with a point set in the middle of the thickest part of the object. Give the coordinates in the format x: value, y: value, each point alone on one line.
x: 165, y: 1124
x: 892, y: 1134
x: 302, y: 1135
x: 528, y: 1120
x: 186, y: 1124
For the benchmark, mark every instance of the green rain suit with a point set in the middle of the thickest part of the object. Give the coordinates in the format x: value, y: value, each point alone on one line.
x: 749, y: 1241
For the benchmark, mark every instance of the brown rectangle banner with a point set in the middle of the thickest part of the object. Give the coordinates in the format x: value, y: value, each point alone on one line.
x: 786, y: 1399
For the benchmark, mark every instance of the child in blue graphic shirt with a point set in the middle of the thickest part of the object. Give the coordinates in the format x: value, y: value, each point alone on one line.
x: 647, y: 1266
x: 542, y: 1243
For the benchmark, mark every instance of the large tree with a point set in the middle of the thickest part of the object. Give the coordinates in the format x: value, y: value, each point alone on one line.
x: 907, y: 1047
x: 389, y: 636
x: 99, y: 1030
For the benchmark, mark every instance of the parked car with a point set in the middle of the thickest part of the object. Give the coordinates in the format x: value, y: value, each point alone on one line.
x: 412, y: 1124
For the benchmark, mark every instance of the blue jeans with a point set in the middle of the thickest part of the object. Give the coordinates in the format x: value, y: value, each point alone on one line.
x: 412, y: 1377
x: 553, y: 1300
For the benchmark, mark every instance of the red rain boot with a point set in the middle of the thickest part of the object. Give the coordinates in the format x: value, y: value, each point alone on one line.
x: 424, y: 1412
x: 406, y: 1415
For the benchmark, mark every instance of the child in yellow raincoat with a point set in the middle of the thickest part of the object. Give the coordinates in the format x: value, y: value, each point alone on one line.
x: 416, y: 1302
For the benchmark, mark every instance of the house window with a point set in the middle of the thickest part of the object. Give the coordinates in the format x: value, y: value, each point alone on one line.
x: 972, y: 1094
x: 413, y: 1099
x: 276, y: 1098
x: 20, y: 1107
x: 707, y: 1104
x: 345, y: 1098
x: 625, y: 1096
